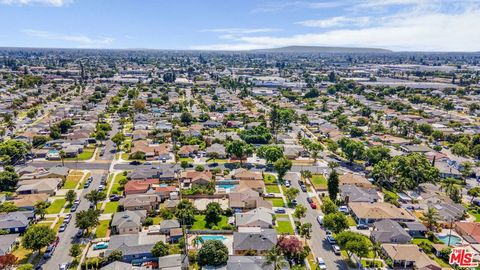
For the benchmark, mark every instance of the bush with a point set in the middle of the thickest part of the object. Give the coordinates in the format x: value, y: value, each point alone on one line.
x: 148, y: 221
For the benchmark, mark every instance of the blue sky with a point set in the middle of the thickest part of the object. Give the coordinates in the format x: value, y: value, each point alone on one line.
x: 414, y: 25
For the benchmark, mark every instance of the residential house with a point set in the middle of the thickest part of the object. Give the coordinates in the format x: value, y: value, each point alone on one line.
x: 389, y: 231
x: 216, y: 149
x: 167, y: 225
x: 140, y: 202
x: 16, y: 222
x: 244, y: 174
x: 351, y: 193
x: 366, y: 213
x: 134, y: 246
x: 28, y: 202
x: 470, y: 231
x: 7, y: 243
x: 170, y: 262
x: 408, y: 256
x: 195, y: 178
x: 249, y: 262
x: 139, y: 186
x: 37, y: 186
x: 118, y: 265
x: 247, y: 200
x: 187, y: 151
x: 257, y: 239
x: 355, y: 179
x: 415, y: 229
x: 128, y: 222
x: 259, y: 217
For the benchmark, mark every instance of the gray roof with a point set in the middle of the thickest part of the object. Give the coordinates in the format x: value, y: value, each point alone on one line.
x: 260, y: 214
x: 415, y: 226
x: 6, y: 241
x: 116, y: 265
x: 132, y: 244
x: 247, y: 262
x: 260, y: 241
x: 59, y: 170
x: 170, y: 262
x: 169, y: 224
x: 128, y: 218
x: 389, y: 231
x: 357, y: 194
x: 14, y: 220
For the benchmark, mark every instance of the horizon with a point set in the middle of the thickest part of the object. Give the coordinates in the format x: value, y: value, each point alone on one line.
x: 396, y: 25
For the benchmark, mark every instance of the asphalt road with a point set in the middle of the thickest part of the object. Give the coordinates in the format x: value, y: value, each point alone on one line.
x: 319, y: 245
x: 67, y: 238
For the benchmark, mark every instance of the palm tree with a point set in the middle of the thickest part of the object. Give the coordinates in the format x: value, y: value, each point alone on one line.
x: 274, y: 257
x: 95, y: 196
x: 197, y: 241
x: 62, y: 156
x: 430, y: 218
x: 448, y: 185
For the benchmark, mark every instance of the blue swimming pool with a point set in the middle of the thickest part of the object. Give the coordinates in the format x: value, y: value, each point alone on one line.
x: 213, y: 237
x: 227, y: 186
x: 454, y: 240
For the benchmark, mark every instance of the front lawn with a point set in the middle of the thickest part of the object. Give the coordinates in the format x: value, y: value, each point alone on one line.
x: 276, y: 202
x: 56, y: 206
x: 187, y: 159
x: 102, y: 229
x: 319, y: 181
x: 85, y: 155
x: 272, y: 189
x: 475, y: 214
x: 72, y: 181
x: 110, y: 208
x: 57, y: 225
x: 269, y: 178
x: 284, y: 227
x: 116, y: 188
x: 201, y: 224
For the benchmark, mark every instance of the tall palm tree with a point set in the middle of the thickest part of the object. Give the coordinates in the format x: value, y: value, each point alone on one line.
x: 275, y: 257
x: 376, y: 248
x: 62, y: 156
x: 430, y: 218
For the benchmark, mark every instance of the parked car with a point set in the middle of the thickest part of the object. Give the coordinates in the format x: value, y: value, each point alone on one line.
x: 313, y: 205
x: 321, y: 263
x: 135, y: 162
x: 336, y: 249
x: 269, y: 195
x: 287, y: 184
x: 77, y: 201
x: 331, y: 240
x: 147, y: 163
x: 100, y: 245
x: 49, y: 252
x: 362, y: 227
x: 79, y: 233
x: 62, y: 227
x: 114, y: 198
x: 64, y: 266
x: 303, y: 188
x: 328, y: 232
x: 294, y: 202
x: 320, y: 220
x: 280, y: 211
x: 74, y: 208
x: 343, y: 209
x: 86, y: 185
x: 301, y: 183
x: 101, y: 187
x: 309, y: 200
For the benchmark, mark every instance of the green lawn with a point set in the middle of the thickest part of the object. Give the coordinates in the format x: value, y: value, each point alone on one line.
x: 187, y: 159
x: 57, y: 225
x: 475, y: 215
x: 284, y: 227
x: 217, y: 160
x: 116, y: 188
x: 102, y: 229
x: 56, y: 206
x: 277, y: 202
x: 85, y: 155
x: 272, y: 189
x: 319, y: 181
x: 72, y: 181
x: 269, y: 178
x: 110, y: 208
x: 279, y: 216
x: 201, y: 224
x: 157, y: 220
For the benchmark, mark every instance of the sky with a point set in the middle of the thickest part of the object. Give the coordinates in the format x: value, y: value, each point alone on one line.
x: 399, y: 25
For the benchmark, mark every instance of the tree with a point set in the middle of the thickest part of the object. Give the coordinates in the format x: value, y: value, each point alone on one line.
x: 7, y: 261
x: 328, y: 206
x: 282, y: 166
x: 95, y: 196
x: 376, y: 249
x: 184, y: 164
x: 185, y: 212
x: 376, y: 154
x: 160, y: 249
x: 62, y: 155
x: 118, y: 139
x: 333, y: 183
x: 305, y: 230
x: 39, y: 141
x: 12, y: 151
x: 460, y: 149
x: 353, y: 243
x: 87, y: 219
x: 8, y: 179
x: 448, y: 185
x: 352, y: 149
x: 430, y: 217
x: 300, y: 211
x: 41, y: 208
x: 100, y: 135
x: 291, y: 193
x: 186, y: 118
x: 212, y: 253
x: 38, y: 237
x: 239, y: 149
x: 270, y: 153
x: 115, y: 255
x: 336, y: 222
x: 275, y: 258
x: 474, y: 193
x: 213, y: 213
x: 71, y: 196
x: 75, y: 250
x: 290, y: 246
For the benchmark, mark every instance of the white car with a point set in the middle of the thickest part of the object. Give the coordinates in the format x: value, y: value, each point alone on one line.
x: 320, y: 220
x: 321, y: 263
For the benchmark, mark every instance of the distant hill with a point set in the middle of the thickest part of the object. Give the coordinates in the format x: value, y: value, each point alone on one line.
x: 322, y: 49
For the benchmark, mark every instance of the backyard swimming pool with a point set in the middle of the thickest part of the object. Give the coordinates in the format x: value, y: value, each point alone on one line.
x: 213, y: 237
x: 454, y: 240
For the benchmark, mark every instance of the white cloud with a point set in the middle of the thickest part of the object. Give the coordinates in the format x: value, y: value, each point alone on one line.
x: 336, y: 22
x: 236, y: 31
x: 81, y: 41
x: 55, y: 3
x: 414, y: 31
